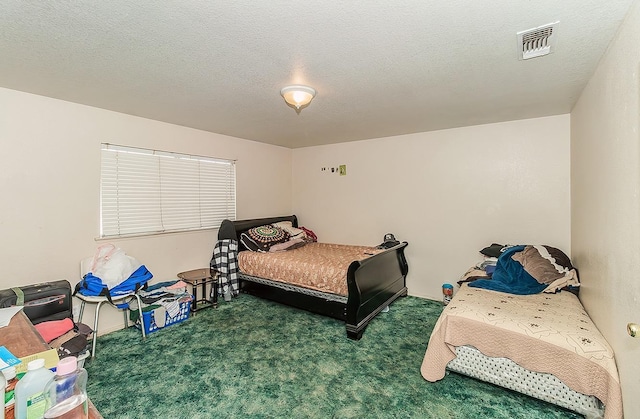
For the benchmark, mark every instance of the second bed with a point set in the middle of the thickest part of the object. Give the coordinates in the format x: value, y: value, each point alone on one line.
x: 543, y: 345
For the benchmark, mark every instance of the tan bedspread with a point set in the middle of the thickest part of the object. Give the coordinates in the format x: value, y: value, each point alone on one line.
x: 548, y: 333
x: 319, y: 266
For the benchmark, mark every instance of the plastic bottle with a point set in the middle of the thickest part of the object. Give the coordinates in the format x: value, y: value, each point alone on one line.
x: 10, y: 392
x: 30, y: 401
x: 66, y: 392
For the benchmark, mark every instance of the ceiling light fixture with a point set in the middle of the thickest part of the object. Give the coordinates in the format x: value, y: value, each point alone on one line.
x: 298, y: 96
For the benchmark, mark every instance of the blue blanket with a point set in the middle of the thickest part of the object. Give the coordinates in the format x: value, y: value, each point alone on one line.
x: 510, y: 276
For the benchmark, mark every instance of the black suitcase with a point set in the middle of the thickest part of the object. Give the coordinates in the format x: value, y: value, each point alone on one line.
x: 42, y: 302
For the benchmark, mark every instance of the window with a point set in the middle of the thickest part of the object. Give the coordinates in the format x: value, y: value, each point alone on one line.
x: 148, y: 191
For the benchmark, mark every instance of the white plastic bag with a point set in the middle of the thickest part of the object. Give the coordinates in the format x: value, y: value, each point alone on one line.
x: 111, y: 264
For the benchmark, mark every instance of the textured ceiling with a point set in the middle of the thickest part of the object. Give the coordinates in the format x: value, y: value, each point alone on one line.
x: 381, y: 68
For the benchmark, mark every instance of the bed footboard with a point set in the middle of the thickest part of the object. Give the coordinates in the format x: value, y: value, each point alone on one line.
x: 373, y: 284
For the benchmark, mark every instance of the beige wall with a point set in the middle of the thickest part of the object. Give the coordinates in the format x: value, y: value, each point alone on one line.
x: 49, y: 181
x: 605, y: 183
x: 448, y: 193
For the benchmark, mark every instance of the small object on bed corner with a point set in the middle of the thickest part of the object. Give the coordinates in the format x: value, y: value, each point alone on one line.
x: 389, y: 241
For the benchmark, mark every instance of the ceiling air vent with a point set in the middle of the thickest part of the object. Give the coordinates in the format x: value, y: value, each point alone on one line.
x: 537, y: 42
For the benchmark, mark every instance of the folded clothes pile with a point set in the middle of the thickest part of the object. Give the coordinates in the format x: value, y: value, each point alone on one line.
x: 163, y: 299
x: 69, y: 338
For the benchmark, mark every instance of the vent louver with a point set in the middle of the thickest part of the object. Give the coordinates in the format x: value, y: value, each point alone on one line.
x: 537, y: 42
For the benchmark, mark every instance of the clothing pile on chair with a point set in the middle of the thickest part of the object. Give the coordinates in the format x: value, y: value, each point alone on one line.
x: 69, y: 338
x: 163, y: 299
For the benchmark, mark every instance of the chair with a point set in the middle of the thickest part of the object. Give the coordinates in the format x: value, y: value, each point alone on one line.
x: 120, y: 302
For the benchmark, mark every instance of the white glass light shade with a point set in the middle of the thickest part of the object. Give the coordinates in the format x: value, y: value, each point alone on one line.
x: 298, y: 96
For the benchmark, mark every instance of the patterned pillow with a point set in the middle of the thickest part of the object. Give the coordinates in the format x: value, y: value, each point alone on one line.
x: 260, y: 239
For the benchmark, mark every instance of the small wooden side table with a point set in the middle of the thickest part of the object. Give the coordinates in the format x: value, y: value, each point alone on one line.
x: 201, y: 277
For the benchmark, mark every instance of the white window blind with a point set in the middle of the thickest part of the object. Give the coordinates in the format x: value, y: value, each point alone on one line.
x: 149, y: 191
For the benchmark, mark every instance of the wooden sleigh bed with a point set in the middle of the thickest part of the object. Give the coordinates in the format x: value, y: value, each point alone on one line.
x: 541, y: 344
x: 372, y: 283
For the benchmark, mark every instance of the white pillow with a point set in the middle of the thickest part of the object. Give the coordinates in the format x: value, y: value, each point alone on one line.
x: 295, y: 233
x: 288, y: 245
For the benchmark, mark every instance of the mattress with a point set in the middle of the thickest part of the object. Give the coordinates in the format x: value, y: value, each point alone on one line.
x: 506, y: 373
x: 319, y: 266
x: 545, y: 333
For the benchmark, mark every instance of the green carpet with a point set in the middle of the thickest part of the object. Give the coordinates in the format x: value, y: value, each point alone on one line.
x: 252, y: 358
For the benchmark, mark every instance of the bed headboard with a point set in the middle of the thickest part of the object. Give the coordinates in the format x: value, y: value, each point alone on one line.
x: 232, y: 229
